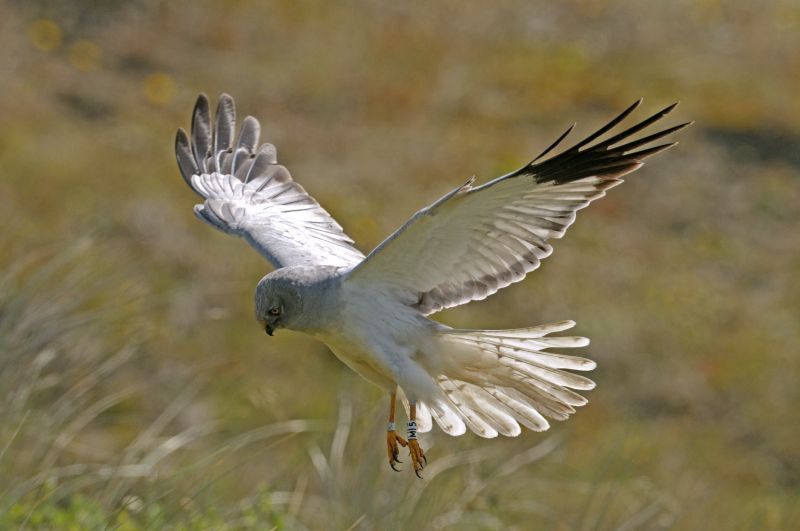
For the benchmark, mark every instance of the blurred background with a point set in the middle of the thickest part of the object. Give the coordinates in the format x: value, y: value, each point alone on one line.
x: 137, y: 391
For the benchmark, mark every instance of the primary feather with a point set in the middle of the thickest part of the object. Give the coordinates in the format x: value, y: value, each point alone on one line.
x: 477, y: 240
x: 248, y: 194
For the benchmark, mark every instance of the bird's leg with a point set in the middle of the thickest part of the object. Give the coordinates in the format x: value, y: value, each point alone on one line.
x: 392, y: 439
x: 418, y: 458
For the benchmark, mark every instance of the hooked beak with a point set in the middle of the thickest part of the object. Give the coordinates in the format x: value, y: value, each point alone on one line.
x: 268, y: 329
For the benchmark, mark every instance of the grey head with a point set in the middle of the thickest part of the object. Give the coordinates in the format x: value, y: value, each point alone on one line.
x: 295, y: 297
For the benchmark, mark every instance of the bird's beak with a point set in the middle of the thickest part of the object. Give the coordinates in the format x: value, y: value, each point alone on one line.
x: 268, y: 329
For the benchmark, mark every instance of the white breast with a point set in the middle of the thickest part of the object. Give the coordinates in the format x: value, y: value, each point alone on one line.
x: 374, y: 334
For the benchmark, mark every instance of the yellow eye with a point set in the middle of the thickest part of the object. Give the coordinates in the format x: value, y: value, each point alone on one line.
x: 275, y: 311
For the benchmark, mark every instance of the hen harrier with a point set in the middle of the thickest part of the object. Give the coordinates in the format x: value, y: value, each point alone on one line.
x: 372, y: 311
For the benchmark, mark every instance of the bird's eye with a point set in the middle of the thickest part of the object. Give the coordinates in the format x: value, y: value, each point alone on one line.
x: 275, y: 311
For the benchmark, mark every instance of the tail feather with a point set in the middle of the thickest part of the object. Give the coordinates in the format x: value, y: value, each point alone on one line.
x: 531, y: 350
x: 523, y: 412
x: 543, y: 403
x: 447, y: 419
x: 445, y: 415
x: 544, y: 373
x: 502, y: 419
x: 477, y: 402
x: 495, y: 380
x: 474, y: 419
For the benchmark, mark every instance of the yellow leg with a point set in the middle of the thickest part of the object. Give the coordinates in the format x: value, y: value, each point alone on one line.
x: 418, y: 458
x: 392, y: 439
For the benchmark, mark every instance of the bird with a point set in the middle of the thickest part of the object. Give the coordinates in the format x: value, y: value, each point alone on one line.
x: 373, y: 311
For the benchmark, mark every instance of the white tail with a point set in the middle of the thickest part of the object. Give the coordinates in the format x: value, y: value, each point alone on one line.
x: 495, y: 380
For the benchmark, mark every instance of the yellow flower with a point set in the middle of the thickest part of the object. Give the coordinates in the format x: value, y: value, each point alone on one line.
x: 45, y: 35
x: 159, y: 88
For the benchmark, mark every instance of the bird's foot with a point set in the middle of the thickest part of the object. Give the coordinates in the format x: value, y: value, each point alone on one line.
x: 418, y: 458
x: 392, y: 442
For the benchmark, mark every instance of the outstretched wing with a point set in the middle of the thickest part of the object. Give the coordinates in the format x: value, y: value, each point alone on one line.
x: 475, y: 241
x: 247, y: 193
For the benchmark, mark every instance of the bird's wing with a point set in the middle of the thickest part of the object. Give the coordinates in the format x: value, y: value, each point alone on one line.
x: 477, y: 240
x: 247, y: 193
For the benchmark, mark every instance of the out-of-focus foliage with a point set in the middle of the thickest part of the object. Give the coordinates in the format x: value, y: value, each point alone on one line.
x: 137, y: 391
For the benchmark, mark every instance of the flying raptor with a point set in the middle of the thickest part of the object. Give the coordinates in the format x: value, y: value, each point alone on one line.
x: 373, y: 312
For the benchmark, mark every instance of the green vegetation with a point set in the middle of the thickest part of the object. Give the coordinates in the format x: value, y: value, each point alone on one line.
x: 137, y: 392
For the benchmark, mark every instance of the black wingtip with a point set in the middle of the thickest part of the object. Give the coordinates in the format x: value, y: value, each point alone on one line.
x: 649, y: 152
x: 668, y: 109
x: 610, y: 158
x: 680, y: 127
x: 632, y: 107
x: 554, y: 144
x: 635, y: 128
x: 610, y: 125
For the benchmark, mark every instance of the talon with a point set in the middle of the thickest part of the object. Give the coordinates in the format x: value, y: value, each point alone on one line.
x: 393, y: 451
x: 394, y: 441
x: 418, y: 458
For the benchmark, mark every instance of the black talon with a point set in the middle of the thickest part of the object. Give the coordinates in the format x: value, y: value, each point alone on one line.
x: 426, y: 459
x: 417, y: 473
x: 391, y: 464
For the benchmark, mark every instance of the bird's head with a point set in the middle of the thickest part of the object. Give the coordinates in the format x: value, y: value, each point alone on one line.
x: 278, y: 302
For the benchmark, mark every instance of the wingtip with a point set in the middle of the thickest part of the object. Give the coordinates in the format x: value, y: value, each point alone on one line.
x: 554, y: 144
x: 633, y: 106
x: 201, y: 111
x: 251, y: 119
x: 669, y: 108
x: 649, y: 152
x: 201, y: 101
x: 225, y: 99
x: 184, y: 157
